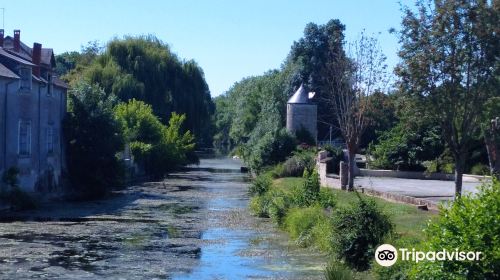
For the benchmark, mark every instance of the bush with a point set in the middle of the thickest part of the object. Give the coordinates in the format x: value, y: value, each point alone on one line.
x: 299, y: 223
x: 480, y: 169
x: 300, y: 161
x: 259, y: 206
x: 306, y: 194
x: 93, y: 139
x: 272, y: 148
x: 278, y: 205
x: 338, y: 271
x: 304, y: 137
x: 405, y: 148
x: 273, y: 204
x: 260, y: 185
x: 472, y: 223
x: 327, y: 199
x: 278, y: 171
x: 311, y: 186
x: 357, y: 231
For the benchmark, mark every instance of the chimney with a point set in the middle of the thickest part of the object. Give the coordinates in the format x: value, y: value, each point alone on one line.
x: 17, y: 40
x: 36, y: 58
x: 1, y: 38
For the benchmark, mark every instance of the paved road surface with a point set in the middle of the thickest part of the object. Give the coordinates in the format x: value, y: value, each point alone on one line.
x: 434, y: 190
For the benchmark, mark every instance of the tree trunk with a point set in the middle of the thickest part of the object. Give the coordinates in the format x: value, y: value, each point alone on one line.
x: 459, y: 172
x: 351, y: 156
x: 492, y: 150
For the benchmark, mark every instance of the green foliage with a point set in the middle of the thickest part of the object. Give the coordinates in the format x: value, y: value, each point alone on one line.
x: 472, y: 223
x: 138, y: 122
x: 310, y: 189
x: 308, y: 59
x: 9, y: 177
x: 327, y: 199
x: 338, y: 271
x: 296, y: 165
x: 357, y: 230
x: 260, y: 185
x: 382, y: 114
x: 157, y: 148
x: 145, y: 69
x: 279, y: 203
x: 406, y: 146
x: 449, y: 65
x: 480, y: 169
x: 304, y: 137
x: 259, y: 206
x: 70, y: 64
x: 273, y: 147
x: 173, y: 149
x: 299, y: 223
x: 93, y: 138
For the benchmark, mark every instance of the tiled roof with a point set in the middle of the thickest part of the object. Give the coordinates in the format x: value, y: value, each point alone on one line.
x: 15, y: 58
x: 47, y: 55
x: 60, y: 83
x: 5, y: 72
x: 25, y: 51
x: 39, y: 79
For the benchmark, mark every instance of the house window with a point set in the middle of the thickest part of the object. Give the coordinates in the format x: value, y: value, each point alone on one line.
x: 25, y: 83
x: 24, y: 147
x: 50, y: 139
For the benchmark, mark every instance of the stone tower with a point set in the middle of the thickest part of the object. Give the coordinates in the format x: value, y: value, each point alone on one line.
x: 301, y: 112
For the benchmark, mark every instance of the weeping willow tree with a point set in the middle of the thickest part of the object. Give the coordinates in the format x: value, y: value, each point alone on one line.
x: 144, y: 68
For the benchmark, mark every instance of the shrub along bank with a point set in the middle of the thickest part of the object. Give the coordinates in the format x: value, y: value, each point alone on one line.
x: 350, y: 226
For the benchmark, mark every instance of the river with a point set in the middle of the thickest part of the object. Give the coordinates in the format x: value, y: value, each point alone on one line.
x: 193, y: 225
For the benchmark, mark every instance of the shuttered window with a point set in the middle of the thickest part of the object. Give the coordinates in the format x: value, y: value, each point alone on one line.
x: 25, y: 74
x: 24, y: 147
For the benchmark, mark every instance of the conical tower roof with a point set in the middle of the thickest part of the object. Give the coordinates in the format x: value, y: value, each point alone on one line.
x: 299, y: 97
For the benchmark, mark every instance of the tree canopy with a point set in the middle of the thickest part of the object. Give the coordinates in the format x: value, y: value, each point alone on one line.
x: 144, y: 68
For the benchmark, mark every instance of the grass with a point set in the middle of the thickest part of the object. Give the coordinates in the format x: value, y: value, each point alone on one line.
x: 408, y: 220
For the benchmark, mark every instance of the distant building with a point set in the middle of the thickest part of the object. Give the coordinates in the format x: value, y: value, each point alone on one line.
x: 301, y: 113
x: 32, y: 107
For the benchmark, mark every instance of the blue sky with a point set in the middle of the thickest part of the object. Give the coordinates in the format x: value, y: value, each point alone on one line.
x: 229, y: 39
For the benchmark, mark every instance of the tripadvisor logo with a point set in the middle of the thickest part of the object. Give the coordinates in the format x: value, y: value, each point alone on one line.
x: 387, y: 255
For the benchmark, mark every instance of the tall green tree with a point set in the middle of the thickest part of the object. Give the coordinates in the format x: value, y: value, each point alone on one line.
x: 144, y: 68
x: 449, y: 62
x: 308, y: 58
x: 93, y: 138
x: 157, y: 148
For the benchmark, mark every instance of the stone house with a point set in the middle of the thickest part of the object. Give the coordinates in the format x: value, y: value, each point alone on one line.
x: 32, y: 107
